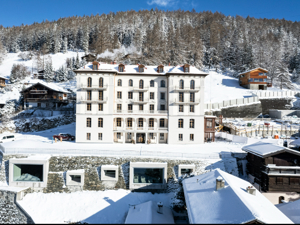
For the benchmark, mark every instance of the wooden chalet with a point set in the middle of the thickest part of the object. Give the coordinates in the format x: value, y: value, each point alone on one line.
x: 274, y: 168
x: 255, y: 79
x: 45, y: 95
x: 2, y: 82
x: 39, y: 75
x: 209, y: 128
x: 89, y: 58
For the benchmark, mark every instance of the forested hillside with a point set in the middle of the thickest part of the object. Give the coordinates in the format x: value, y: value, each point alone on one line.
x: 202, y: 39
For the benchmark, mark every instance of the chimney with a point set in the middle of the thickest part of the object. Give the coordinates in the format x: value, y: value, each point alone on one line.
x: 251, y: 190
x: 220, y: 183
x: 160, y: 207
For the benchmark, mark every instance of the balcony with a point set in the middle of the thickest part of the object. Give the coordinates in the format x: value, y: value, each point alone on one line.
x: 86, y: 100
x: 38, y: 92
x: 2, y: 84
x: 141, y: 112
x: 139, y: 89
x: 185, y: 89
x: 182, y: 102
x: 282, y: 170
x: 138, y: 101
x: 93, y: 87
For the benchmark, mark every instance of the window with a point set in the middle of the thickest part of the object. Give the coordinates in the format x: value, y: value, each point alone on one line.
x: 191, y: 137
x: 151, y: 122
x: 88, y: 136
x: 129, y: 107
x: 89, y: 95
x: 151, y: 83
x: 181, y: 84
x: 100, y: 107
x: 161, y: 136
x: 141, y: 84
x: 151, y: 107
x: 141, y: 107
x: 130, y: 94
x: 118, y: 135
x: 100, y: 122
x: 251, y: 80
x: 148, y: 175
x: 180, y: 123
x: 162, y: 83
x: 265, y: 80
x: 151, y: 136
x: 209, y: 123
x: 192, y: 123
x: 119, y: 94
x: 120, y: 82
x: 260, y: 74
x: 255, y: 80
x: 141, y: 121
x: 88, y: 122
x: 192, y: 97
x: 88, y: 106
x: 162, y: 107
x: 100, y: 136
x: 129, y: 123
x: 118, y: 122
x: 162, y: 95
x: 279, y: 180
x: 294, y: 181
x: 141, y: 69
x: 89, y: 82
x: 100, y: 82
x: 130, y: 83
x: 161, y: 123
x: 95, y: 66
x: 141, y: 96
x: 151, y: 95
x: 129, y: 136
x: 192, y: 84
x: 121, y: 69
x: 180, y: 137
x: 181, y: 97
x: 186, y: 69
x: 119, y: 107
x: 161, y: 69
x: 39, y: 104
x: 180, y: 108
x: 101, y: 95
x: 24, y: 172
x: 192, y: 108
x: 261, y: 80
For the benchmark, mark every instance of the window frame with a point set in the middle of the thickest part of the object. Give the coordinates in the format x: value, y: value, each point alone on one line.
x: 100, y: 122
x: 119, y: 83
x: 180, y: 123
x: 88, y: 122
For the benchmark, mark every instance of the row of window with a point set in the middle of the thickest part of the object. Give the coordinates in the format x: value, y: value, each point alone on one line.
x: 89, y: 82
x: 180, y: 137
x: 181, y: 97
x: 257, y: 80
x: 88, y: 136
x: 89, y: 95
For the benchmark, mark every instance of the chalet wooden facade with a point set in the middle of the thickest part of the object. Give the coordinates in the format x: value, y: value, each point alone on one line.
x: 255, y: 79
x: 209, y: 128
x: 274, y: 168
x: 2, y: 82
x: 89, y: 58
x: 44, y: 95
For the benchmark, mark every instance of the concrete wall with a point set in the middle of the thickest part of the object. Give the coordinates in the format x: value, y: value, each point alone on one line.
x: 242, y: 111
x: 274, y: 103
x: 279, y: 114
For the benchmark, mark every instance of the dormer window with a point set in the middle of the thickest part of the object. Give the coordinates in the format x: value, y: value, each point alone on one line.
x: 121, y: 67
x: 160, y: 69
x: 186, y: 68
x: 141, y: 68
x: 95, y: 65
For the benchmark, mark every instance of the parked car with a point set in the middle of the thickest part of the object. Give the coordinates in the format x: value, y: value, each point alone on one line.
x: 7, y: 138
x: 65, y: 137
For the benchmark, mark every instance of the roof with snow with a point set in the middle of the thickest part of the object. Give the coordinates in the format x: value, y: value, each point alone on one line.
x: 134, y: 69
x: 3, y: 78
x: 291, y: 210
x: 258, y: 68
x: 263, y: 149
x: 146, y: 213
x: 232, y: 204
x: 51, y: 86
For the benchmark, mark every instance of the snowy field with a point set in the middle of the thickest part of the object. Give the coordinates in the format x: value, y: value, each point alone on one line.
x: 109, y: 206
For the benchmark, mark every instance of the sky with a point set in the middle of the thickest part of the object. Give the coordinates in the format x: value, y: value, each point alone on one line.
x: 17, y: 12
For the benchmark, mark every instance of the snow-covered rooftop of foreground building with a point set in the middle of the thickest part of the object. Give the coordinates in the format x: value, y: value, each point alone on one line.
x: 134, y: 69
x: 264, y: 149
x: 258, y: 68
x: 146, y: 213
x: 291, y: 210
x: 51, y: 86
x: 1, y: 77
x: 231, y: 204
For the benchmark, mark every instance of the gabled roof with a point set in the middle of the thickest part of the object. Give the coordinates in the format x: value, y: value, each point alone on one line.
x: 291, y: 210
x: 232, y: 204
x: 3, y: 78
x: 258, y: 68
x: 263, y: 149
x: 146, y: 213
x: 50, y: 86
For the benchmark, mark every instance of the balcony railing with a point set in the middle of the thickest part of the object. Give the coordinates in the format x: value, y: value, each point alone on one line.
x: 139, y: 89
x: 141, y: 111
x: 185, y: 102
x: 96, y: 87
x: 38, y: 91
x: 60, y: 99
x: 282, y: 170
x: 138, y: 101
x: 86, y: 100
x: 185, y: 89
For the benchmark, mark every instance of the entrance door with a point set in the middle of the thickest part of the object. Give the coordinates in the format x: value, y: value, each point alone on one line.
x: 140, y: 138
x: 261, y: 87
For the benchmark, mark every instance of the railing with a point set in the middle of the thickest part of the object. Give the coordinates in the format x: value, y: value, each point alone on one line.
x: 141, y: 111
x: 104, y: 87
x: 280, y: 170
x: 38, y: 91
x: 86, y: 100
x: 139, y: 89
x: 186, y: 89
x: 185, y: 102
x: 137, y: 101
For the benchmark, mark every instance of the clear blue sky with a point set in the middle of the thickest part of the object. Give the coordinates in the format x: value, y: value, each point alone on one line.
x: 16, y: 12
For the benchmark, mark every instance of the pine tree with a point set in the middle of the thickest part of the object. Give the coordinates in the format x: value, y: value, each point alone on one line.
x: 48, y: 72
x: 62, y: 74
x: 65, y: 45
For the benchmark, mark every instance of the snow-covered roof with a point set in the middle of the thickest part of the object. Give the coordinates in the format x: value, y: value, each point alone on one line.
x: 146, y: 213
x: 3, y: 78
x: 12, y: 189
x: 291, y: 210
x: 258, y: 68
x: 51, y: 86
x: 33, y: 157
x: 149, y: 70
x: 232, y: 204
x: 264, y: 149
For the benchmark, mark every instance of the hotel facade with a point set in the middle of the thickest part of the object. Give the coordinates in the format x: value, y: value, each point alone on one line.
x: 140, y: 104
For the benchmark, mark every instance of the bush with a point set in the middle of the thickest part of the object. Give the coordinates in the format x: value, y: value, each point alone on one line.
x: 18, y: 72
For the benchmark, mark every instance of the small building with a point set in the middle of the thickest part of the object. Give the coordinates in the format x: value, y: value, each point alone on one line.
x: 219, y: 197
x: 42, y: 94
x: 255, y: 79
x: 273, y: 168
x: 89, y: 58
x: 149, y: 213
x: 2, y: 82
x: 291, y: 210
x: 209, y: 128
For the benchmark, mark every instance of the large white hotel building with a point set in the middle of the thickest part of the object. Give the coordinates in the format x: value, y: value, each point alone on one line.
x: 140, y: 104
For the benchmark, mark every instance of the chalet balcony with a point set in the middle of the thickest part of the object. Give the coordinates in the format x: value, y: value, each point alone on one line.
x: 282, y: 170
x: 185, y: 89
x: 141, y: 112
x: 2, y: 84
x: 185, y: 102
x: 43, y: 99
x: 38, y: 92
x: 93, y: 87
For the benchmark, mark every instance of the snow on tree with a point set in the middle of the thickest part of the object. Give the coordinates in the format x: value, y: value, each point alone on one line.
x: 294, y: 76
x: 65, y: 45
x: 2, y: 52
x: 71, y: 74
x: 61, y: 74
x: 18, y: 72
x: 48, y: 72
x: 57, y: 45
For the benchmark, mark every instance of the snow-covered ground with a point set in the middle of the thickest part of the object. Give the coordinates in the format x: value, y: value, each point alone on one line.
x: 109, y: 206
